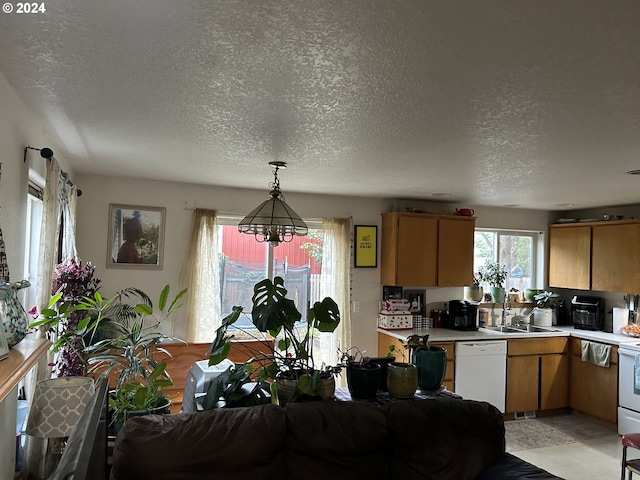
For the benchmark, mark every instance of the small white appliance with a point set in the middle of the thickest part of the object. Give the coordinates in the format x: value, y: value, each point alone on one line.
x: 481, y: 371
x: 628, y: 391
x: 198, y: 379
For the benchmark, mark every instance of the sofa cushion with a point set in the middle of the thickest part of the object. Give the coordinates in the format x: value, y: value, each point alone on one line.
x: 443, y: 438
x: 239, y: 443
x: 336, y: 440
x: 510, y: 467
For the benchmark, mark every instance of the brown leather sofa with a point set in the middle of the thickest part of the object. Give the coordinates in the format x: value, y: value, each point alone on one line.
x: 439, y: 439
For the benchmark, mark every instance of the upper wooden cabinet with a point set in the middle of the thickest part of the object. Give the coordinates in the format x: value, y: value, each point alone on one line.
x: 601, y: 256
x: 570, y: 256
x: 426, y: 250
x: 615, y: 264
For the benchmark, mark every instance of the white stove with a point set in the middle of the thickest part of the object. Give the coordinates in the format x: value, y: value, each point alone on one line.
x: 629, y: 387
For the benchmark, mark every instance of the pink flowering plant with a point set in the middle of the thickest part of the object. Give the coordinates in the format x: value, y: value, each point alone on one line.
x: 72, y: 282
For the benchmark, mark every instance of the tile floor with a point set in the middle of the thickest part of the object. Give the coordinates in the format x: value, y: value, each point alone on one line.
x: 597, y: 458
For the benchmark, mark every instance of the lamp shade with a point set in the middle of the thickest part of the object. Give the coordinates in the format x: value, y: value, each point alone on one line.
x: 273, y: 221
x: 57, y: 405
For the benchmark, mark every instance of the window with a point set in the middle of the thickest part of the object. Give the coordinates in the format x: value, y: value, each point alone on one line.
x: 32, y: 243
x: 517, y: 250
x: 244, y: 262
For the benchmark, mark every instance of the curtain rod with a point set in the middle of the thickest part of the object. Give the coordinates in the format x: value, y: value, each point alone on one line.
x: 48, y: 154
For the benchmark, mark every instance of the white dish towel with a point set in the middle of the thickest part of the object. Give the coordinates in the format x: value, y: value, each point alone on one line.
x: 596, y: 353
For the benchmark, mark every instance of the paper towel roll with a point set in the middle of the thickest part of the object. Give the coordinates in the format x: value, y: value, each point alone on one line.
x: 620, y: 318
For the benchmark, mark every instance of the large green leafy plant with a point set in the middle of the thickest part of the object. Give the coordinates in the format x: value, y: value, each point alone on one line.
x: 276, y: 316
x: 494, y: 273
x: 122, y: 341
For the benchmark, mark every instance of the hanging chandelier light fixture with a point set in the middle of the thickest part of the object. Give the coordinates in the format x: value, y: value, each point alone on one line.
x: 273, y: 220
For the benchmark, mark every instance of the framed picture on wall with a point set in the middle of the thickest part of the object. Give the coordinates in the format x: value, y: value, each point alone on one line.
x: 390, y: 292
x: 136, y: 237
x: 365, y: 246
x: 416, y: 301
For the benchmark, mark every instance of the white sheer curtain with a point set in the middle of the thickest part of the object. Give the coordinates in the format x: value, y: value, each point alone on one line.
x: 335, y: 281
x: 201, y: 275
x: 59, y: 201
x: 68, y: 203
x: 49, y: 234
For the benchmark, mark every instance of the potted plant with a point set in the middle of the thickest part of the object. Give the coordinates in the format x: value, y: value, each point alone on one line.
x: 543, y: 314
x: 289, y: 367
x: 71, y: 283
x: 363, y: 375
x: 402, y: 377
x: 430, y: 361
x: 495, y: 274
x: 474, y: 292
x: 127, y: 354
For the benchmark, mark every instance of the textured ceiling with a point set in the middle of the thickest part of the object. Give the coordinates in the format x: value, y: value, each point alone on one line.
x: 529, y: 102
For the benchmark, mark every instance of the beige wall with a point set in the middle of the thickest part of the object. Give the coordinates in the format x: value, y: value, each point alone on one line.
x: 18, y: 128
x: 179, y: 200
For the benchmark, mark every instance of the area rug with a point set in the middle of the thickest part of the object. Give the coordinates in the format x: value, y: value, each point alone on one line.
x: 541, y: 432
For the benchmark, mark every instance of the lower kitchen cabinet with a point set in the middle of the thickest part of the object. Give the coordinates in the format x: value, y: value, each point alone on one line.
x: 537, y: 374
x: 594, y: 389
x: 383, y: 347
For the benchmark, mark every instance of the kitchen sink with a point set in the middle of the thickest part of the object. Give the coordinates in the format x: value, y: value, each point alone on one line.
x: 502, y: 329
x: 533, y: 328
x: 521, y: 329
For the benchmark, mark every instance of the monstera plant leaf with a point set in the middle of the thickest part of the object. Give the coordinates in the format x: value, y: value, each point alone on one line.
x: 324, y: 315
x: 271, y: 309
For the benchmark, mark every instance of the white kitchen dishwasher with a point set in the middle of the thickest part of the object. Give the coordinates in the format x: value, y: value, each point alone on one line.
x: 481, y: 371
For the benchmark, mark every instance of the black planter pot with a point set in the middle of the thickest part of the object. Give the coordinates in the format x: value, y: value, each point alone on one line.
x: 384, y: 365
x: 363, y: 381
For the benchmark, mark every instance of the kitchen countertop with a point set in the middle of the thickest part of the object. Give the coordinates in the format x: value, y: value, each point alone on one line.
x: 448, y: 335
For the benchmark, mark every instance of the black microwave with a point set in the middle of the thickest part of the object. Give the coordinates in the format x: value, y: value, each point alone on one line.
x: 587, y: 313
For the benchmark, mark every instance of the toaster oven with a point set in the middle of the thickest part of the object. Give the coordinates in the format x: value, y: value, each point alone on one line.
x: 587, y: 313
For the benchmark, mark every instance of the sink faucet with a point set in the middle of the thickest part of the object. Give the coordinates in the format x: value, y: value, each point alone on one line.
x: 506, y: 305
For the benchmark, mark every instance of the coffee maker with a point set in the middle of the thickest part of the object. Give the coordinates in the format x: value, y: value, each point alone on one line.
x: 462, y: 315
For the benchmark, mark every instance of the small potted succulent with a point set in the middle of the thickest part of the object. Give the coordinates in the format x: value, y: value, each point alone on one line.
x: 545, y: 311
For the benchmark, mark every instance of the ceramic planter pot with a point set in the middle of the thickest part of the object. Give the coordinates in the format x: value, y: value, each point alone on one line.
x: 497, y: 294
x: 384, y: 365
x: 529, y: 293
x: 473, y: 294
x: 163, y: 409
x: 363, y: 381
x: 432, y: 365
x: 287, y: 389
x: 402, y: 380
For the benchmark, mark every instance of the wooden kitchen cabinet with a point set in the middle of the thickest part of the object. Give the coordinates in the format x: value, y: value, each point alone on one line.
x: 616, y: 257
x: 602, y: 256
x: 594, y: 389
x: 426, y: 250
x: 570, y: 256
x: 383, y: 347
x: 537, y: 374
